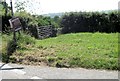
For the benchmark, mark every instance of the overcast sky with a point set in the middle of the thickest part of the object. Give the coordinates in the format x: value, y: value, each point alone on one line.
x: 55, y: 6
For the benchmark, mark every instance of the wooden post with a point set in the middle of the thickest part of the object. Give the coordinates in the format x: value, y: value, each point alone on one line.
x: 11, y: 8
x: 5, y: 4
x: 14, y: 33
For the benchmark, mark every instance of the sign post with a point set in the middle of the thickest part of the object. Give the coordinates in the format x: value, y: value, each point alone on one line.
x: 14, y: 23
x: 14, y: 35
x: 11, y: 8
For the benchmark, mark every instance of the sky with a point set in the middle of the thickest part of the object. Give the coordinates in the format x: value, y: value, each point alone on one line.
x: 56, y: 6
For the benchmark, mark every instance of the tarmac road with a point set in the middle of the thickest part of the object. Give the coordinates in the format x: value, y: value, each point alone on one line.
x: 44, y: 72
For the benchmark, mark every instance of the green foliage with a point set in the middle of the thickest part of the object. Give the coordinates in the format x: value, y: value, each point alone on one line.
x: 5, y: 24
x: 1, y: 10
x: 23, y: 14
x: 20, y: 6
x: 57, y: 20
x: 42, y: 21
x: 25, y: 40
x: 6, y: 39
x: 90, y: 22
x: 34, y: 20
x: 4, y: 9
x: 5, y: 13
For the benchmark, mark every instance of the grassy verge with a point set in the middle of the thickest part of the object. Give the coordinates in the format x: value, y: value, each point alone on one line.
x: 87, y: 50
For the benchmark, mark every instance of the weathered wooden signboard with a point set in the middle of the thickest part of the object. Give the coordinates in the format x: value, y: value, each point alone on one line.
x: 15, y: 24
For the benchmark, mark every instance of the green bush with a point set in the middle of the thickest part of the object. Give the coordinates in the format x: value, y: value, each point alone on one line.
x: 90, y: 22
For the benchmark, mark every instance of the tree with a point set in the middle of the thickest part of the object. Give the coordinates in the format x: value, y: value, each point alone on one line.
x: 20, y: 6
x: 25, y: 5
x: 3, y: 8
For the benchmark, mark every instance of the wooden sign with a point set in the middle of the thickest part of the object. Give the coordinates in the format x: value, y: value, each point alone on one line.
x: 15, y: 24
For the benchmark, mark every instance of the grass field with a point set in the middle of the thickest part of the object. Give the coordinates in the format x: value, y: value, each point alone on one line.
x: 87, y: 50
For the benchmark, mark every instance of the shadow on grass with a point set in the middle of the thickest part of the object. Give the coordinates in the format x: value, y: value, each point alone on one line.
x: 11, y: 47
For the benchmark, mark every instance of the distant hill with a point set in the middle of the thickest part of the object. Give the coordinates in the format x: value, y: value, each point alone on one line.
x: 52, y: 15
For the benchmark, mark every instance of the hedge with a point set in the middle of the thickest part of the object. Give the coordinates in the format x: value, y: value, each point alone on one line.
x: 90, y: 22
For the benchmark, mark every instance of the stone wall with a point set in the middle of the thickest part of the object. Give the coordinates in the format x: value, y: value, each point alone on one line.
x: 46, y: 31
